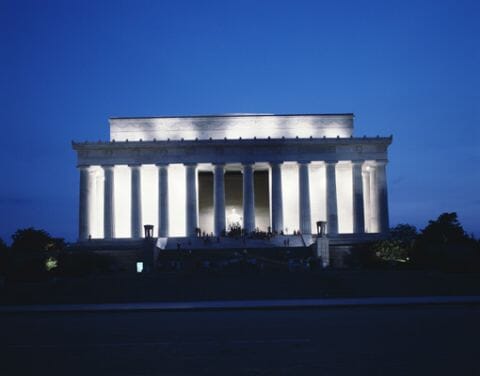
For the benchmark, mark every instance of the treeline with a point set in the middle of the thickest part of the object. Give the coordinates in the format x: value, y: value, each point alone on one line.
x: 443, y: 245
x: 35, y: 255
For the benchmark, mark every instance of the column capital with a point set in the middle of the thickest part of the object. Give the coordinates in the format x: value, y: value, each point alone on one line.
x: 135, y: 165
x: 84, y: 167
x: 379, y: 162
x: 330, y: 161
x: 218, y: 167
x: 246, y: 166
x: 276, y: 163
x: 357, y: 162
x: 303, y: 162
x: 107, y: 166
x: 190, y: 164
x: 161, y: 164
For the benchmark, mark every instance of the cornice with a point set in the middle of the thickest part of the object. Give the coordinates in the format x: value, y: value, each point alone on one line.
x: 115, y: 145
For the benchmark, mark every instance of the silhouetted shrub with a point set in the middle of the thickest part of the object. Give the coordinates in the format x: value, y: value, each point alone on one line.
x: 78, y: 264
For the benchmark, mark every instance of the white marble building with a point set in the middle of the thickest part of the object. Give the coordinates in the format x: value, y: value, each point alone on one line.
x: 278, y: 172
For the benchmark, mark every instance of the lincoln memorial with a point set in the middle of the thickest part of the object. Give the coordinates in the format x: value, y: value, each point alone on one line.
x: 194, y: 175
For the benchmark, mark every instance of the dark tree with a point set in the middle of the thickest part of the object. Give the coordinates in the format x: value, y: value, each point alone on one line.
x: 3, y: 257
x: 445, y: 230
x: 30, y: 239
x: 3, y: 247
x: 32, y: 255
x: 444, y: 244
x: 405, y: 234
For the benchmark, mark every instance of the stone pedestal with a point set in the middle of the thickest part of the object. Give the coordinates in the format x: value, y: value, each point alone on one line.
x: 323, y: 251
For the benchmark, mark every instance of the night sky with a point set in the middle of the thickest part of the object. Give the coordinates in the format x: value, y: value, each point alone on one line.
x: 407, y: 68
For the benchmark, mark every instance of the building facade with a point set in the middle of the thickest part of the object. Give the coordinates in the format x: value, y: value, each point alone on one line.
x: 204, y: 174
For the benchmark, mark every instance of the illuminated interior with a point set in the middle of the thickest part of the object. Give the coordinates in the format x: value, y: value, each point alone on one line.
x: 233, y: 198
x: 262, y: 199
x: 205, y: 201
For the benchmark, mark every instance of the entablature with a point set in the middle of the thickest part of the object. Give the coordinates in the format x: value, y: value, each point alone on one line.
x: 231, y: 150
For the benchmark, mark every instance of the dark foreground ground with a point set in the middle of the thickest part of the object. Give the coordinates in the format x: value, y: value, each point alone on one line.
x: 441, y: 340
x: 249, y: 285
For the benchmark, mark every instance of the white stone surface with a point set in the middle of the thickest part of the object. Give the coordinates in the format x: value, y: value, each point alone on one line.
x: 349, y: 189
x: 231, y: 126
x: 86, y: 202
x: 323, y: 251
x: 357, y: 195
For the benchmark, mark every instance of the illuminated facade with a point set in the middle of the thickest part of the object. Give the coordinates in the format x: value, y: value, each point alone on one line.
x: 202, y: 174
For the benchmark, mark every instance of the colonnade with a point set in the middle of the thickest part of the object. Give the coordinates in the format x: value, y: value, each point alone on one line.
x: 369, y: 198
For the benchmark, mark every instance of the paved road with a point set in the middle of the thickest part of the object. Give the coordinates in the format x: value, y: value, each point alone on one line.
x: 440, y: 340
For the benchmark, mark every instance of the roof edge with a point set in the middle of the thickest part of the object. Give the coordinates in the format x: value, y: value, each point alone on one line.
x: 350, y: 114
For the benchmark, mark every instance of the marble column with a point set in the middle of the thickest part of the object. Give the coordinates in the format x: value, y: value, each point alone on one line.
x: 248, y: 199
x: 219, y: 199
x: 374, y: 202
x: 163, y: 212
x: 382, y: 196
x: 366, y: 196
x: 136, y: 205
x: 357, y: 199
x: 191, y: 200
x: 108, y: 202
x: 304, y: 198
x: 86, y: 202
x: 277, y: 200
x: 332, y: 207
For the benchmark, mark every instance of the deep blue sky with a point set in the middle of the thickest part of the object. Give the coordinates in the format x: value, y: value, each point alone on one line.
x: 407, y: 68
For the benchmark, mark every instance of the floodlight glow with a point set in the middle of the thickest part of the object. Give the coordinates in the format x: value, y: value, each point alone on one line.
x: 149, y: 176
x: 233, y: 218
x: 318, y: 201
x: 99, y: 200
x: 344, y: 197
x: 290, y: 197
x: 231, y: 127
x: 177, y: 199
x: 122, y: 201
x: 206, y: 220
x: 96, y: 214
